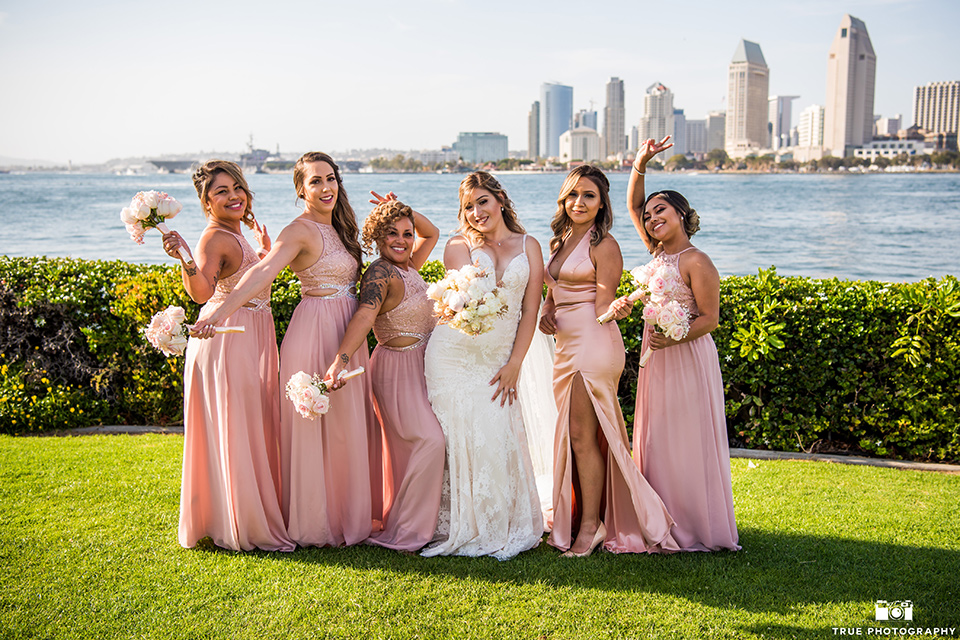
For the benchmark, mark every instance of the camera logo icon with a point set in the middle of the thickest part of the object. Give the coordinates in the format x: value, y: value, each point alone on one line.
x: 895, y: 610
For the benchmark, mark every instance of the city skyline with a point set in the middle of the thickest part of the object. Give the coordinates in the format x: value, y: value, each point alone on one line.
x: 99, y: 81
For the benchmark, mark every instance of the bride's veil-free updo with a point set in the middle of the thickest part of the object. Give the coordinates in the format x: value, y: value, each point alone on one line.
x: 483, y: 180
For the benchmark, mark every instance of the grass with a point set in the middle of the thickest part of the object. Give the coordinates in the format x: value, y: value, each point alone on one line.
x: 88, y: 549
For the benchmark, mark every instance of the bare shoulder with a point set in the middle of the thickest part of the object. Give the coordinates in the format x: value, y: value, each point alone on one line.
x: 218, y: 243
x: 532, y: 248
x: 698, y: 261
x: 609, y: 243
x: 458, y: 241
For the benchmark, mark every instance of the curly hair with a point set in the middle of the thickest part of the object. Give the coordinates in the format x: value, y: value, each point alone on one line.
x: 378, y: 223
x: 206, y: 173
x: 483, y: 180
x: 688, y: 215
x: 344, y: 219
x: 561, y: 222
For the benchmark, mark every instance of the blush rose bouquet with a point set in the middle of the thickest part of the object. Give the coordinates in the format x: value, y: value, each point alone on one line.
x: 148, y: 210
x: 310, y: 394
x: 168, y: 333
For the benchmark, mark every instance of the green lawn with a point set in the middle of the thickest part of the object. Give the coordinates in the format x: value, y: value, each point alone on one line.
x: 88, y: 549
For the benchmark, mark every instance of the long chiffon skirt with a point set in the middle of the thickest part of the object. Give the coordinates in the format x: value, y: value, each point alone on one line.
x: 331, y: 467
x: 635, y: 518
x: 231, y: 416
x: 680, y: 443
x: 413, y: 449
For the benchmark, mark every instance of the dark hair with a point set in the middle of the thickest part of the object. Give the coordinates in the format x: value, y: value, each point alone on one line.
x: 688, y: 215
x: 561, y: 222
x: 483, y: 180
x: 344, y: 219
x: 383, y: 216
x: 206, y: 173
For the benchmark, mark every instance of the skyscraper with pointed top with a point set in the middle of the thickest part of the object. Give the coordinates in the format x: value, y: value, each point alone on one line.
x: 748, y: 84
x: 851, y: 75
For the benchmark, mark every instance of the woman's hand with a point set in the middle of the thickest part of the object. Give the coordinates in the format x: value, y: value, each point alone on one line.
x: 548, y: 318
x: 660, y: 341
x: 648, y: 149
x: 379, y: 199
x: 332, y: 377
x: 506, y: 381
x: 206, y: 325
x: 262, y: 238
x: 172, y: 242
x: 621, y: 308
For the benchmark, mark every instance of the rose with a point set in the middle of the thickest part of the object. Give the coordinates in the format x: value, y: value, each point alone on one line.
x: 456, y: 301
x: 670, y: 314
x: 176, y: 313
x: 128, y: 216
x: 650, y: 313
x: 434, y: 291
x: 475, y: 291
x: 177, y: 344
x: 676, y: 332
x: 642, y: 274
x: 658, y: 285
x: 151, y: 199
x: 168, y: 207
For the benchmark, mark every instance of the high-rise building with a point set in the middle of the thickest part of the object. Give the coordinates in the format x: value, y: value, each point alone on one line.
x: 679, y: 134
x: 556, y: 116
x: 886, y: 127
x: 585, y: 118
x: 634, y: 142
x: 748, y: 87
x: 779, y: 121
x: 475, y: 147
x: 697, y: 136
x: 614, y: 120
x: 581, y: 143
x: 657, y: 120
x: 716, y: 130
x: 810, y: 127
x: 936, y: 107
x: 533, y: 131
x: 851, y: 74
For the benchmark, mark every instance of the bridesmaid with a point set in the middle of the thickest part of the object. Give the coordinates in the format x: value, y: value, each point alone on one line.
x: 680, y: 433
x: 393, y: 302
x: 231, y: 409
x: 595, y: 480
x: 329, y: 465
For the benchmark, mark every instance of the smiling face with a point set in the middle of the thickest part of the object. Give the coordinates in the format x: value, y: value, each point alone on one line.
x: 320, y: 187
x: 226, y: 198
x: 481, y: 210
x: 661, y: 219
x: 397, y: 244
x: 583, y: 202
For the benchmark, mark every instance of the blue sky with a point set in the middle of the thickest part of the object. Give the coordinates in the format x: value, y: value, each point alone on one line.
x: 90, y: 81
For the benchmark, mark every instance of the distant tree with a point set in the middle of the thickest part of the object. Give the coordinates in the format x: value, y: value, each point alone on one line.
x: 831, y: 162
x: 677, y: 162
x: 717, y: 159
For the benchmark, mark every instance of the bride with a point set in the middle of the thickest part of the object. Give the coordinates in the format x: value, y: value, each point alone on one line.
x: 490, y: 504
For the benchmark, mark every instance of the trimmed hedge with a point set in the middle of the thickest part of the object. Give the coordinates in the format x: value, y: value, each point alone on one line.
x: 813, y: 365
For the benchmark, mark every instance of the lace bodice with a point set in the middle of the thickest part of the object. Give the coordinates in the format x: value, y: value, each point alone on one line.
x: 226, y: 285
x: 513, y: 283
x: 682, y: 292
x: 334, y: 269
x: 412, y: 317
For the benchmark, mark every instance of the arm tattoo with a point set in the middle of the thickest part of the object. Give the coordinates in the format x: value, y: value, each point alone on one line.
x: 344, y: 358
x: 375, y: 283
x: 191, y: 269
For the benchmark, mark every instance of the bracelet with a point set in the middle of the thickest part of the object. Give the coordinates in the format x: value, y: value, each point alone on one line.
x: 643, y: 173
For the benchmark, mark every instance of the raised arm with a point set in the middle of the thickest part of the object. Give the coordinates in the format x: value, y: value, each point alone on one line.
x: 635, y: 188
x: 427, y: 236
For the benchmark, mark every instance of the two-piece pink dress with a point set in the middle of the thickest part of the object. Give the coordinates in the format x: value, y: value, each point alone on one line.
x: 635, y: 518
x: 413, y: 440
x: 680, y: 434
x: 231, y: 418
x: 328, y: 465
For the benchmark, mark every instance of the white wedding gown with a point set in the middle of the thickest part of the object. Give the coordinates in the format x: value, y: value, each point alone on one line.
x: 489, y: 504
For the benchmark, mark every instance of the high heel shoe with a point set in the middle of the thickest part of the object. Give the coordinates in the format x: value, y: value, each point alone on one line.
x: 598, y: 538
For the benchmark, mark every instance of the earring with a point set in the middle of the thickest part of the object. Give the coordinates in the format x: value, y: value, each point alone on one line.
x: 502, y: 210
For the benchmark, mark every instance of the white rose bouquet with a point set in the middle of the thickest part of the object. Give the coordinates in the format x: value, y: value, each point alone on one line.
x: 467, y: 300
x: 309, y: 393
x: 149, y: 209
x: 167, y: 332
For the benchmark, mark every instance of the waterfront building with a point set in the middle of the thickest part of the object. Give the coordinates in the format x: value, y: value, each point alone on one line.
x: 614, y: 120
x: 556, y: 116
x: 477, y: 147
x: 657, y: 120
x: 430, y: 157
x: 851, y: 75
x: 893, y: 148
x: 585, y: 118
x: 780, y: 118
x: 533, y: 131
x: 696, y: 133
x: 748, y: 87
x: 810, y: 126
x: 886, y: 127
x: 582, y: 143
x: 634, y: 142
x: 716, y: 130
x: 936, y: 107
x: 679, y: 133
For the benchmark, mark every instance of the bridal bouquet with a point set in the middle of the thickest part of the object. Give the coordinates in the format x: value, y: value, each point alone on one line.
x: 309, y: 393
x: 467, y: 300
x: 149, y: 209
x: 167, y: 332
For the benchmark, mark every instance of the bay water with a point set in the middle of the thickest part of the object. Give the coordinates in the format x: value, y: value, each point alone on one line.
x: 890, y: 227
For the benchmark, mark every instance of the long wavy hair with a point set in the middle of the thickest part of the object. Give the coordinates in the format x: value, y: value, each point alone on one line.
x: 561, y: 223
x: 483, y: 180
x: 344, y: 219
x: 688, y: 215
x: 206, y: 173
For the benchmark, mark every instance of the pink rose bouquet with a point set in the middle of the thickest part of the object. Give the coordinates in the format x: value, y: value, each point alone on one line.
x: 467, y: 300
x: 168, y: 333
x: 309, y: 393
x: 149, y: 209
